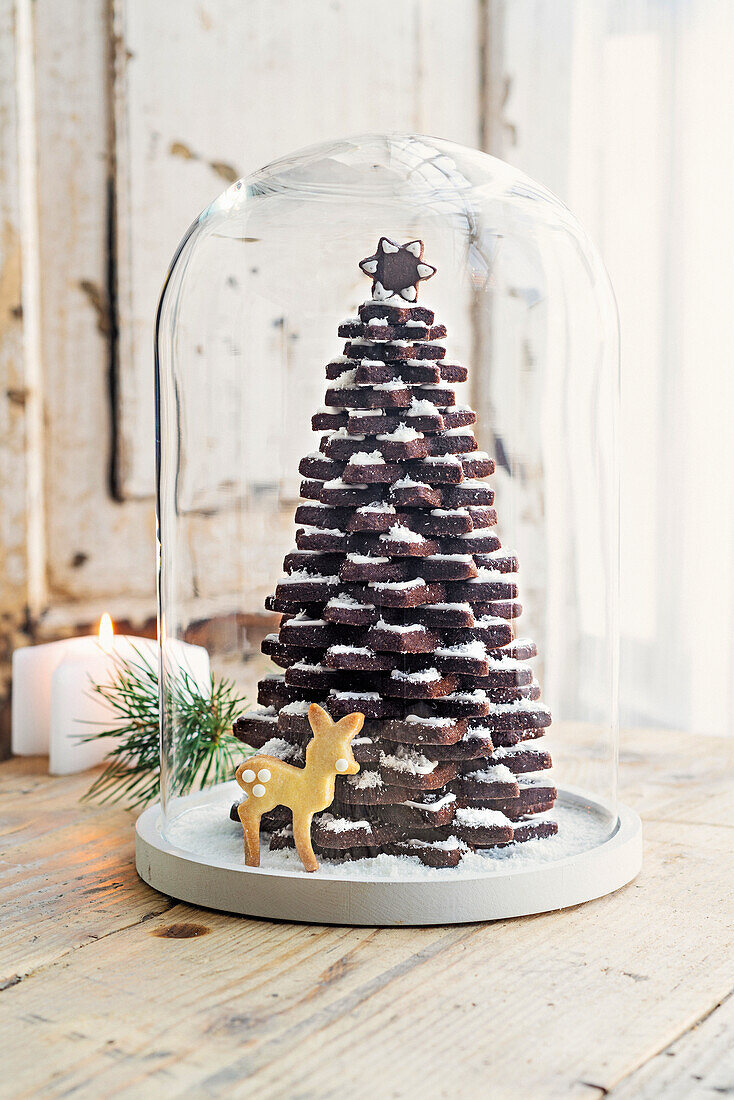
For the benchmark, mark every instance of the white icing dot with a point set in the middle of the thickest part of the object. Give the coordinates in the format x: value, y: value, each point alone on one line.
x: 341, y: 764
x: 388, y: 246
x: 248, y: 775
x: 263, y: 775
x: 258, y: 790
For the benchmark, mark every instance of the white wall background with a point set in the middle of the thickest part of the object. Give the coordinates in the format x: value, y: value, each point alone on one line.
x: 625, y: 110
x: 121, y: 119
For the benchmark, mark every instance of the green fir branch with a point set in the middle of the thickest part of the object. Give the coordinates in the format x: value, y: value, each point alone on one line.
x: 204, y: 751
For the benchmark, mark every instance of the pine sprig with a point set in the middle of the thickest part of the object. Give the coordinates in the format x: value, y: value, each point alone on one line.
x: 205, y: 750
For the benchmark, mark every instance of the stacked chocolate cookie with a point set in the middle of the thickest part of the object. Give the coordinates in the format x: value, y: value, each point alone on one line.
x: 398, y: 601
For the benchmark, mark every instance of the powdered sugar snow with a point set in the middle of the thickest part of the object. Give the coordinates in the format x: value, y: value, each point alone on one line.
x: 206, y: 831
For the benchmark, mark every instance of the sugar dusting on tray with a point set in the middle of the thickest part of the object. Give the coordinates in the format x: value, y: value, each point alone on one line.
x: 206, y: 831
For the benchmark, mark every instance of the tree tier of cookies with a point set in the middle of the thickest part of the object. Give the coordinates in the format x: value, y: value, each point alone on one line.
x: 399, y: 602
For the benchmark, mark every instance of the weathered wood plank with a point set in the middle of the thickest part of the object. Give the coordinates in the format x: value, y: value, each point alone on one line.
x: 180, y: 136
x: 61, y: 874
x: 291, y: 1009
x: 97, y: 547
x: 668, y: 776
x: 22, y: 563
x: 263, y: 1003
x: 246, y: 94
x: 529, y: 361
x: 699, y: 1064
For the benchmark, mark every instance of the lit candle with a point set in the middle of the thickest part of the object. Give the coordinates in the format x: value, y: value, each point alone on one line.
x: 54, y: 705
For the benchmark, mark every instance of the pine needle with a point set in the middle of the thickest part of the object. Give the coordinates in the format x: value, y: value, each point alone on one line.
x: 205, y: 749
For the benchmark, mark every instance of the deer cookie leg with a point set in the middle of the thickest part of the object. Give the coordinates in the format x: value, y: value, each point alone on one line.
x: 251, y: 830
x: 302, y: 837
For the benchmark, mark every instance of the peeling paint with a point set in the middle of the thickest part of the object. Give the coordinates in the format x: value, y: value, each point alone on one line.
x: 10, y: 276
x: 226, y: 171
x: 179, y: 149
x: 18, y: 397
x: 100, y: 303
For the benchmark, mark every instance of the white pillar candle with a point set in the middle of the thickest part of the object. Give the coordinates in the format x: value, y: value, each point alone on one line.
x: 33, y: 668
x: 78, y: 711
x: 54, y: 703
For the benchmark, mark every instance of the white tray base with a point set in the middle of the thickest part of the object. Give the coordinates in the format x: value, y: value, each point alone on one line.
x: 200, y: 860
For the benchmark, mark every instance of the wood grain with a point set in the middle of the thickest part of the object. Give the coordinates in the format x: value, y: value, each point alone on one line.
x: 700, y: 1063
x: 22, y: 564
x: 112, y: 989
x: 97, y: 548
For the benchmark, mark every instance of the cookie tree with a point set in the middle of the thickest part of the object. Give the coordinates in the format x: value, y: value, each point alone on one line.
x: 400, y: 603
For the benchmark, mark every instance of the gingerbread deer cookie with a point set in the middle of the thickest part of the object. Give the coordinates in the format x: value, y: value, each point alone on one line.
x: 269, y: 782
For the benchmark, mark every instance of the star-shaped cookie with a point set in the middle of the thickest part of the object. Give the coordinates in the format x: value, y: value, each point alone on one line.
x: 396, y: 269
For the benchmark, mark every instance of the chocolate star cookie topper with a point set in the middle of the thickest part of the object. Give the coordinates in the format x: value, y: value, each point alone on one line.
x: 396, y: 269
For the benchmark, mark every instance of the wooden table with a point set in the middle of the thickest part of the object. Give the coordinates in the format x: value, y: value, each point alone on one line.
x: 109, y: 989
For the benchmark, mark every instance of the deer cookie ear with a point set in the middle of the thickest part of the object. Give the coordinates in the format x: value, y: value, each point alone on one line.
x: 319, y: 720
x: 351, y: 724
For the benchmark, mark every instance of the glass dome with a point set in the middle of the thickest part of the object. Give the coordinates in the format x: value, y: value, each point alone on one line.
x: 328, y: 534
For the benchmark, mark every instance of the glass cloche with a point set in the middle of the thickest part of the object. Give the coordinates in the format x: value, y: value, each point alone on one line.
x: 387, y: 388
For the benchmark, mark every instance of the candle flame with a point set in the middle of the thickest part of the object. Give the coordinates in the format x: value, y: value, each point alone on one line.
x: 106, y: 633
